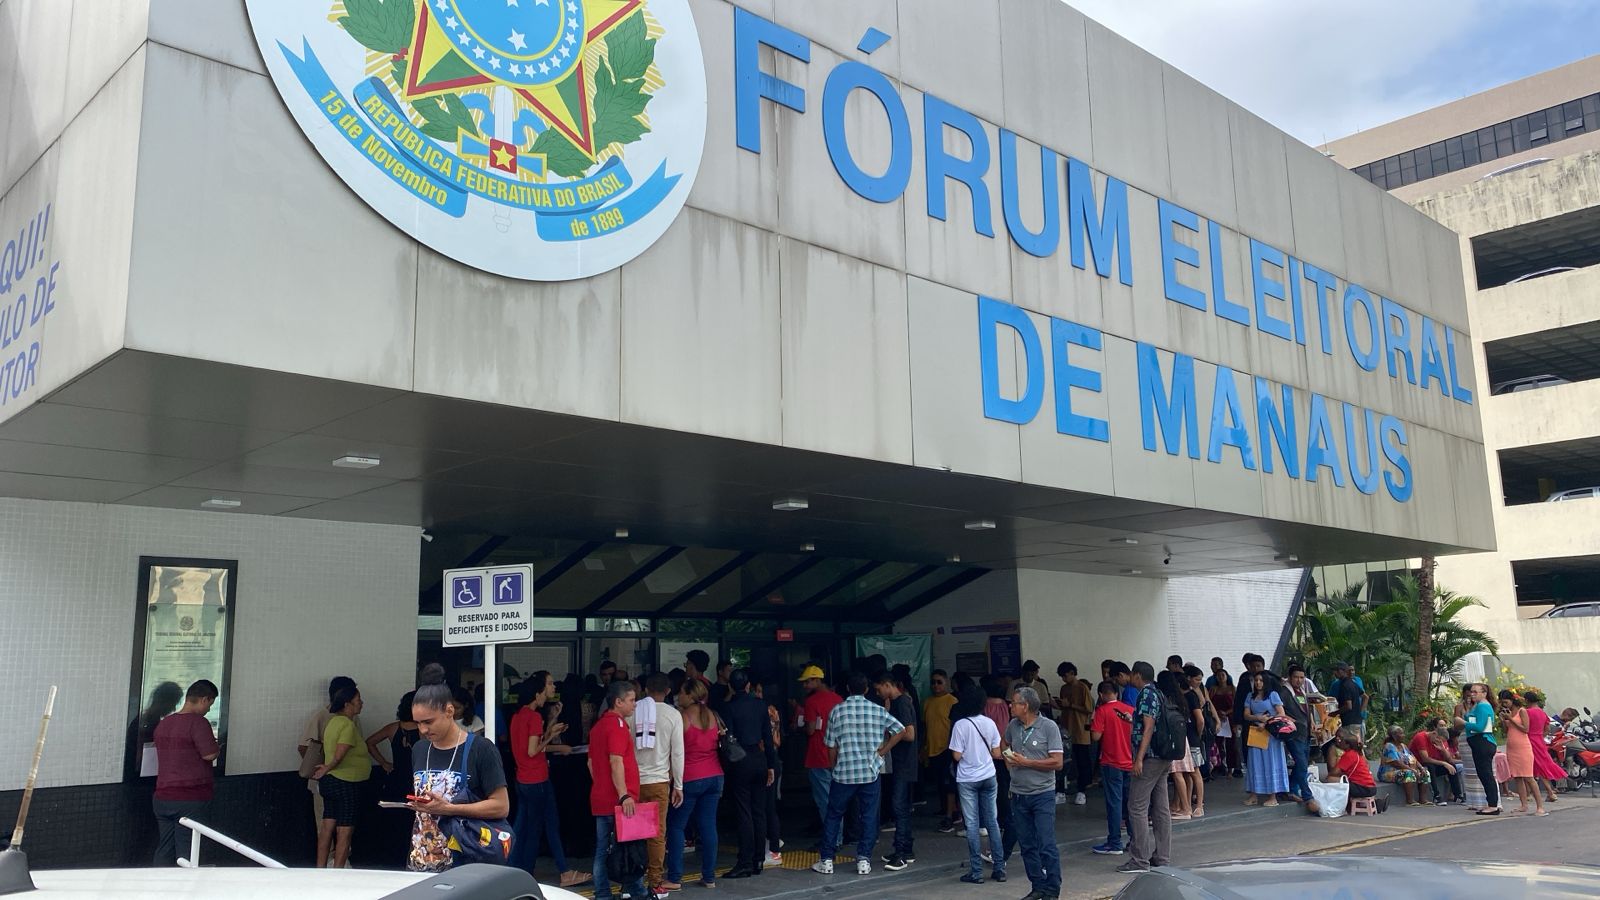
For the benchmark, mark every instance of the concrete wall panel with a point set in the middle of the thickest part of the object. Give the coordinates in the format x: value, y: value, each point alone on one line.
x: 947, y: 424
x: 845, y: 354
x: 307, y: 281
x: 1125, y: 93
x: 699, y: 319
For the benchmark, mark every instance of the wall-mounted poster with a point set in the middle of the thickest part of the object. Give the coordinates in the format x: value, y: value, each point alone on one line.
x: 184, y: 608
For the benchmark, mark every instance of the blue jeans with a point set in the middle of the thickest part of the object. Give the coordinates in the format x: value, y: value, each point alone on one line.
x: 604, y: 827
x: 536, y: 817
x: 821, y: 779
x: 1115, y: 782
x: 1299, y: 767
x: 900, y: 790
x: 978, y: 811
x: 1035, y: 817
x: 839, y: 797
x: 699, y: 806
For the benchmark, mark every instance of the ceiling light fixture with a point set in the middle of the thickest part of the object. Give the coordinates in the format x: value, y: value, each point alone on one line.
x: 1133, y: 571
x: 807, y: 547
x: 953, y: 558
x: 357, y: 462
x: 791, y: 504
x: 980, y: 525
x: 1126, y: 540
x: 621, y: 532
x: 222, y: 503
x: 1286, y: 557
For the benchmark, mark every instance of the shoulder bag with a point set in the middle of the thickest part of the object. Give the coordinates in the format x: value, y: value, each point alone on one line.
x: 476, y: 840
x: 726, y: 745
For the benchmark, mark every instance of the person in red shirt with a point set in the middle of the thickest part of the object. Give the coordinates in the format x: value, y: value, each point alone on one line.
x: 1433, y: 748
x: 536, y: 800
x: 1352, y: 766
x: 615, y: 773
x: 1112, y: 727
x: 185, y: 750
x: 814, y: 712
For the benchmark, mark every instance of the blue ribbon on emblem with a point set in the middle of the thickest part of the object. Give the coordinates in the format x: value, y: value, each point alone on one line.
x: 564, y: 211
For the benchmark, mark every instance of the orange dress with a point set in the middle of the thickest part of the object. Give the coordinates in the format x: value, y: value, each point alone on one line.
x: 1519, y: 751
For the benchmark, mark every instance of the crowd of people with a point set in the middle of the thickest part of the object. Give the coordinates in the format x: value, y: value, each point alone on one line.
x: 991, y: 756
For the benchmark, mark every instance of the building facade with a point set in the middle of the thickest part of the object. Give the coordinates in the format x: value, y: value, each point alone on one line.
x: 1527, y: 220
x: 752, y: 326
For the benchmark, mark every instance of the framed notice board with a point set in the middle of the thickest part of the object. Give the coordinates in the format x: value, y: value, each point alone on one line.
x: 182, y: 633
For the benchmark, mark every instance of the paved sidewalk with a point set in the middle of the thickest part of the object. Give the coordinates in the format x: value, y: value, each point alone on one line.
x: 1229, y: 830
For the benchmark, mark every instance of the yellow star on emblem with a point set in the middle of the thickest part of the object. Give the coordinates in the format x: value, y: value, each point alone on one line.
x: 435, y: 66
x: 501, y: 156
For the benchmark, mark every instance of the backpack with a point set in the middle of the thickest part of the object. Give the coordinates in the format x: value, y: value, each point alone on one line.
x: 1168, y: 739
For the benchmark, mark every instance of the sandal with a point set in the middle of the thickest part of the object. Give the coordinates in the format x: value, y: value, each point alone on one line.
x: 1272, y: 802
x: 1489, y: 812
x: 1250, y: 800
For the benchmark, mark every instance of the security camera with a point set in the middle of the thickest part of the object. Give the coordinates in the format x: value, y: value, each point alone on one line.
x: 1167, y: 561
x: 427, y: 537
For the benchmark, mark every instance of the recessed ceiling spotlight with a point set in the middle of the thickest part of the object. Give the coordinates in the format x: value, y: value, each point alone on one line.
x: 1286, y: 557
x: 953, y: 558
x: 222, y: 503
x: 980, y: 525
x: 357, y: 462
x: 807, y: 547
x: 1125, y: 540
x: 790, y: 504
x: 1133, y: 571
x: 621, y: 532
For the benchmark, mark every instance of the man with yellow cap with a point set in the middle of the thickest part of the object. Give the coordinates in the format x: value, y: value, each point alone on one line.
x: 814, y: 711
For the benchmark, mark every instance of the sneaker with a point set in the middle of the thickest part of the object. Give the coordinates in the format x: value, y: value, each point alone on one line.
x: 886, y: 827
x: 894, y: 864
x: 947, y: 827
x: 984, y: 832
x: 1080, y: 799
x: 773, y: 859
x: 688, y: 846
x: 1132, y: 868
x: 863, y: 867
x: 961, y: 831
x: 1106, y: 850
x: 968, y: 879
x: 999, y: 876
x: 1061, y: 799
x: 1441, y: 803
x: 986, y: 856
x: 823, y: 867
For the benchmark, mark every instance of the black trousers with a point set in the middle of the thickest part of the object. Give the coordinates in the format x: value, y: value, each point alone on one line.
x: 1083, y: 765
x: 1483, y: 762
x: 773, y: 830
x: 747, y: 785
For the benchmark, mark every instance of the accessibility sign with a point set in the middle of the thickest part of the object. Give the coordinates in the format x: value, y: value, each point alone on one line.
x: 488, y: 606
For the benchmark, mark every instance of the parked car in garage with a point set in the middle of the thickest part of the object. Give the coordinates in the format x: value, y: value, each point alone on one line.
x: 1530, y: 383
x: 1582, y: 493
x: 1572, y: 611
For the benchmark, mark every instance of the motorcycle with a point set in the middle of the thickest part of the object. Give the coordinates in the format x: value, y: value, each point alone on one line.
x: 1579, y: 743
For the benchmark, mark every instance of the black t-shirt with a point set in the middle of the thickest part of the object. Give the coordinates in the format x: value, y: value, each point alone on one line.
x: 485, y: 774
x: 1345, y: 691
x: 904, y: 754
x: 1193, y: 705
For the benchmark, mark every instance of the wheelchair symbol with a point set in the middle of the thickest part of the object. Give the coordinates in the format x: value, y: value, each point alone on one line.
x: 466, y: 592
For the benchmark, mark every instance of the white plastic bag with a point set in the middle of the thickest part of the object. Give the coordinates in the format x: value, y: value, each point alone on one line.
x: 1331, y: 797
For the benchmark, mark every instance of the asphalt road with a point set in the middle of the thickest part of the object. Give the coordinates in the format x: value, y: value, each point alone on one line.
x: 1569, y: 835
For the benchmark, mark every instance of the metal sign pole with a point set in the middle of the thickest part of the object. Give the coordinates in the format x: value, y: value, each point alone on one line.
x: 491, y: 692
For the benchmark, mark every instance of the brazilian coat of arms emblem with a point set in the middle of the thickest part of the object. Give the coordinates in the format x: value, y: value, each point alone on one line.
x: 546, y: 140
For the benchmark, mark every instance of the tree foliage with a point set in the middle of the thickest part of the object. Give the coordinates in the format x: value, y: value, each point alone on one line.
x: 1380, y: 640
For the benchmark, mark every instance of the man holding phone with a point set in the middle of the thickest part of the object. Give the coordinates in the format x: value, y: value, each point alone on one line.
x: 1034, y: 753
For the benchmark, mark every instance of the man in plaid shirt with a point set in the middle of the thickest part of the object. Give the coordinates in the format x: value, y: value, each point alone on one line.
x: 860, y: 734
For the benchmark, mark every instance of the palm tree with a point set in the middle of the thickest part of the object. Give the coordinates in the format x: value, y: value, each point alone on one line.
x: 1422, y: 660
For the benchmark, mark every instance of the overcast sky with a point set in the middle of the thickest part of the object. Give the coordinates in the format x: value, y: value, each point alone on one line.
x: 1322, y: 70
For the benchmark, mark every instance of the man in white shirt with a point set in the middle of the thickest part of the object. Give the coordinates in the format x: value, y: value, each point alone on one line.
x: 658, y: 748
x: 974, y: 744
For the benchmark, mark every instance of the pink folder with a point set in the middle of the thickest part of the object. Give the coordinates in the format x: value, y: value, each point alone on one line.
x: 642, y: 826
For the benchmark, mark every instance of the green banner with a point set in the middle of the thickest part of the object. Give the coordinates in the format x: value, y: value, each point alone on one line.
x: 914, y: 650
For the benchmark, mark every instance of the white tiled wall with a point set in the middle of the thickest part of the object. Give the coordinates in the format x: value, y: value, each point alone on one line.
x: 315, y: 599
x: 1228, y: 615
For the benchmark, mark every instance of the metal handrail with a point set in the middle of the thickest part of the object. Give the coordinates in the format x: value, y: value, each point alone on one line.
x: 196, y: 830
